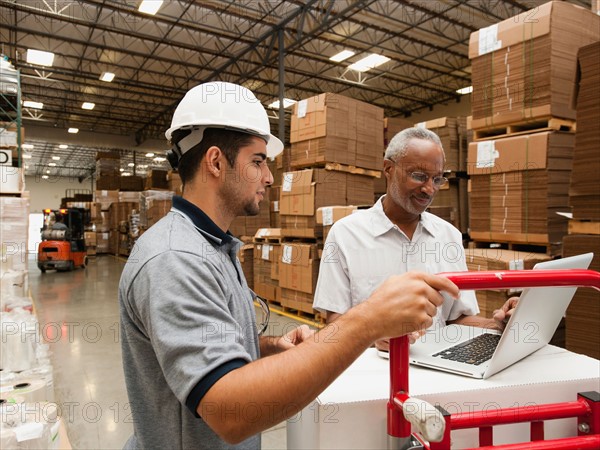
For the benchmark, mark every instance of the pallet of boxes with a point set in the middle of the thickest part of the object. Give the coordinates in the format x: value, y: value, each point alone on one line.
x: 108, y: 183
x: 336, y: 154
x: 524, y: 76
x: 583, y: 314
x: 157, y: 198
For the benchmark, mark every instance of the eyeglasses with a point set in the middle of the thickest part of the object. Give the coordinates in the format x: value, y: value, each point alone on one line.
x: 266, y: 315
x: 422, y: 178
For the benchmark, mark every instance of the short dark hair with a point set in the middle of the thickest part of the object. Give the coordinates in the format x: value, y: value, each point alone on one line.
x: 228, y: 141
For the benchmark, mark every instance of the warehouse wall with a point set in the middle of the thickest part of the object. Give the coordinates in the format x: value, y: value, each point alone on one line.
x: 47, y: 193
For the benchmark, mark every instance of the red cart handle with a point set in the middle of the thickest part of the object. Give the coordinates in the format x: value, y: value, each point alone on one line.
x: 506, y: 279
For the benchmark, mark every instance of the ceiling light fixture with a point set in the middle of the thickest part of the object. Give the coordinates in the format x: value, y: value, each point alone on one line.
x: 27, y: 147
x: 52, y: 164
x: 150, y: 155
x: 131, y: 165
x: 63, y: 146
x: 465, y: 90
x: 34, y: 105
x: 159, y: 159
x: 56, y: 158
x: 369, y: 62
x: 287, y: 102
x: 39, y: 57
x: 107, y: 76
x: 126, y: 174
x: 87, y: 105
x: 45, y: 177
x: 150, y: 6
x: 26, y: 156
x: 341, y: 56
x: 73, y: 130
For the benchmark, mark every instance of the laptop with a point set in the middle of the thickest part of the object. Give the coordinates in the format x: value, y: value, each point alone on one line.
x: 480, y: 353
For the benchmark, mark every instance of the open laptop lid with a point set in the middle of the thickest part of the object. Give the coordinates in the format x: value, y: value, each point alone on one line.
x: 531, y: 327
x: 537, y: 316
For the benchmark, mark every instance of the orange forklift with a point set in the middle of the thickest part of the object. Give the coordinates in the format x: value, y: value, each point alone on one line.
x: 63, y: 245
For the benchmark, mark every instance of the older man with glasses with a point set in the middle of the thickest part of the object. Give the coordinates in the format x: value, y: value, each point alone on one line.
x: 397, y: 235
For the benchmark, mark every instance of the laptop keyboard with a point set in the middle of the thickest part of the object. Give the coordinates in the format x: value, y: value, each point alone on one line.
x: 474, y: 351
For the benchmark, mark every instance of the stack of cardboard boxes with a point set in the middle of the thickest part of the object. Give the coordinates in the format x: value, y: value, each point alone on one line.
x: 524, y: 74
x: 583, y: 315
x: 108, y: 176
x: 336, y: 153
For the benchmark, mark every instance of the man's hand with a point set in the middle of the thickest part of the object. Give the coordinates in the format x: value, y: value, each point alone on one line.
x: 294, y: 337
x: 406, y: 303
x: 502, y: 315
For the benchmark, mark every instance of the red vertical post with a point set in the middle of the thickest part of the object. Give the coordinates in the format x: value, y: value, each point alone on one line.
x: 397, y: 425
x: 536, y: 432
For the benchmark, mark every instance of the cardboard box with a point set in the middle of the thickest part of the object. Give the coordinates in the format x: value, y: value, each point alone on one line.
x: 9, y: 138
x: 246, y: 257
x: 108, y: 182
x: 328, y: 215
x: 546, y: 150
x: 299, y: 267
x: 90, y: 238
x: 341, y: 130
x: 156, y: 179
x: 525, y: 67
x: 106, y: 197
x: 12, y: 180
x: 132, y: 183
x: 304, y: 191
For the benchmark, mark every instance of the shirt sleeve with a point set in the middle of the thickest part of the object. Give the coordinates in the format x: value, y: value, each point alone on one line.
x: 333, y: 284
x: 183, y: 304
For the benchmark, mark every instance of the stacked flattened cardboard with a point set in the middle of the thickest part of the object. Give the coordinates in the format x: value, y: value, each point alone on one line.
x: 267, y: 256
x: 499, y: 259
x: 334, y: 128
x: 524, y: 68
x: 108, y: 177
x: 583, y: 314
x: 518, y: 184
x: 584, y: 193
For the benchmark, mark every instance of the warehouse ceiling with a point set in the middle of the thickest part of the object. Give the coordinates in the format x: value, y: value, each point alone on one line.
x: 157, y: 58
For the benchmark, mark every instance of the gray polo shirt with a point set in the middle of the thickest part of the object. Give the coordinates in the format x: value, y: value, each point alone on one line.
x: 187, y: 319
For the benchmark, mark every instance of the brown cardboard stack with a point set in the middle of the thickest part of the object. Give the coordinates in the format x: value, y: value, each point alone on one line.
x: 119, y: 213
x: 518, y: 184
x: 328, y: 215
x: 304, y: 191
x: 499, y: 259
x: 246, y: 257
x: 131, y: 183
x: 452, y: 133
x: 583, y: 314
x: 108, y: 177
x: 267, y: 255
x: 156, y: 179
x: 298, y: 271
x: 154, y: 205
x: 174, y: 182
x: 584, y: 193
x: 334, y: 128
x: 90, y: 242
x: 524, y: 68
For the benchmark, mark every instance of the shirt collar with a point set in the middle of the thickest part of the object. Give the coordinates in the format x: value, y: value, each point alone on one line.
x: 201, y: 221
x: 383, y: 223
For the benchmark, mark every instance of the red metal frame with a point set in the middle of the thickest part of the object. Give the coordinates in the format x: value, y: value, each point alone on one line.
x: 586, y: 411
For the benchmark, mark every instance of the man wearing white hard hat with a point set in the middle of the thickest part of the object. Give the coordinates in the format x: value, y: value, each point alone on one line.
x: 200, y: 372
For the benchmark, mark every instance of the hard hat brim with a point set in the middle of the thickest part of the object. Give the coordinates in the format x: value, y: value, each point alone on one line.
x: 274, y: 146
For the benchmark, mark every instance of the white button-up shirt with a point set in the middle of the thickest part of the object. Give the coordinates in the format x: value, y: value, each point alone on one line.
x: 366, y: 248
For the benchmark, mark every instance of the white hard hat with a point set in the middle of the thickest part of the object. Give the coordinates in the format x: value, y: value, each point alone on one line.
x: 222, y: 105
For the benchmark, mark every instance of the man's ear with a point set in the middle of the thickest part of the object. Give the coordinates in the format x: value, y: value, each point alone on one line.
x: 214, y: 160
x: 388, y: 166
